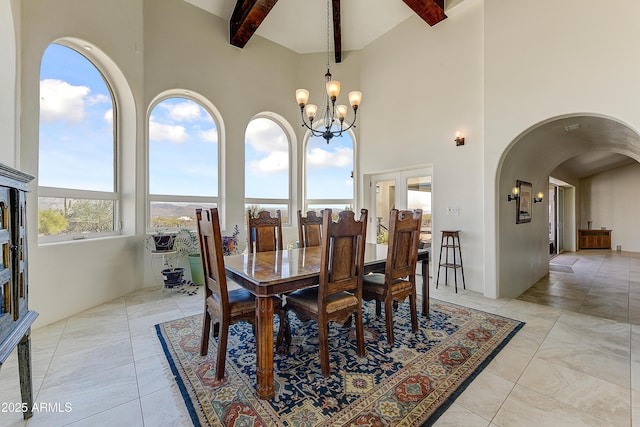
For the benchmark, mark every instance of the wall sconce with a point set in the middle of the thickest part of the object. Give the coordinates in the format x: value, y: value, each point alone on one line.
x: 459, y: 139
x: 539, y: 198
x: 515, y: 194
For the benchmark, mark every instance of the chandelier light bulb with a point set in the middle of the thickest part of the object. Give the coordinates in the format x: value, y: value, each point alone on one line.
x: 341, y: 112
x: 333, y: 89
x: 311, y: 110
x: 355, y: 97
x: 302, y: 96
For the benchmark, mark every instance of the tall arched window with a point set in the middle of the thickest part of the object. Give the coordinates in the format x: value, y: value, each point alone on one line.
x: 183, y: 162
x: 77, y: 168
x: 329, y: 170
x: 267, y: 167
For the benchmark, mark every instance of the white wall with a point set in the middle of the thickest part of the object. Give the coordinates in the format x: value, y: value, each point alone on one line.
x: 421, y: 84
x: 607, y: 200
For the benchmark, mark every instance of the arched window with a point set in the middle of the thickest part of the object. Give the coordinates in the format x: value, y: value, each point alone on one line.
x: 267, y: 167
x: 183, y: 162
x: 77, y: 168
x: 329, y: 171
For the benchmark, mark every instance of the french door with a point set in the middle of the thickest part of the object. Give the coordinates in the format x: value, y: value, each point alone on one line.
x: 409, y: 189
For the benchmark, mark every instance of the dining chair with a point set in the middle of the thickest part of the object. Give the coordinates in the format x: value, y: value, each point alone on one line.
x: 309, y: 229
x: 338, y: 295
x: 265, y: 232
x: 222, y: 307
x: 399, y: 279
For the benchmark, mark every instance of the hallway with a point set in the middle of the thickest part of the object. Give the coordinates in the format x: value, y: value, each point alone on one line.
x: 600, y: 283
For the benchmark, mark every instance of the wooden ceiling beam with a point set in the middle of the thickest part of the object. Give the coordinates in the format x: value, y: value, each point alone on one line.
x: 337, y: 31
x: 432, y: 11
x: 246, y: 18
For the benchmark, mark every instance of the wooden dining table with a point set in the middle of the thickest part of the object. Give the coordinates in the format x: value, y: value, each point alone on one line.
x: 273, y: 273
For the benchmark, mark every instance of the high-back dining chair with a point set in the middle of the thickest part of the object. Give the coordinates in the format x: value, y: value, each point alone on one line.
x: 221, y: 307
x: 399, y: 280
x: 265, y: 232
x: 309, y: 229
x: 338, y: 295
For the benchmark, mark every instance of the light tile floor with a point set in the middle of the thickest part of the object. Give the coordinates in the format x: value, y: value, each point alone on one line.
x: 601, y: 283
x: 562, y: 369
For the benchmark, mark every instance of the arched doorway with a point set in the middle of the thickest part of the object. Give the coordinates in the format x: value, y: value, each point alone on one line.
x: 522, y: 249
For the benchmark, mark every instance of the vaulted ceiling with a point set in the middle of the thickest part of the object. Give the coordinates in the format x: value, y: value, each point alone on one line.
x: 301, y: 25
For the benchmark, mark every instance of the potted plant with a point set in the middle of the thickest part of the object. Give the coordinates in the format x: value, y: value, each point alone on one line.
x: 187, y: 245
x: 164, y: 243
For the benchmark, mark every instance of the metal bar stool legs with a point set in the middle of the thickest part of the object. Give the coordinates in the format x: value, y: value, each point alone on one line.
x: 451, y: 241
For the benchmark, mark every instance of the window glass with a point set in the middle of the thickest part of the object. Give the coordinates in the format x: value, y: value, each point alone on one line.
x: 329, y: 168
x: 329, y: 172
x: 183, y: 149
x: 183, y: 162
x: 76, y: 166
x: 76, y: 123
x: 266, y: 160
x: 267, y: 168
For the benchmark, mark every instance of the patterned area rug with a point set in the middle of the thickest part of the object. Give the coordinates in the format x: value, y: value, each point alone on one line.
x: 410, y: 384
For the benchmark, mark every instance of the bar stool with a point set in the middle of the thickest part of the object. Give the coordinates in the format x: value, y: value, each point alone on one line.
x: 451, y: 243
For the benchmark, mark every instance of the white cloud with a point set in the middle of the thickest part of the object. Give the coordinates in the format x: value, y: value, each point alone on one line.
x: 319, y: 158
x: 61, y: 101
x: 277, y: 161
x: 162, y: 132
x: 184, y: 111
x: 108, y: 116
x: 210, y: 135
x: 97, y: 99
x: 264, y: 135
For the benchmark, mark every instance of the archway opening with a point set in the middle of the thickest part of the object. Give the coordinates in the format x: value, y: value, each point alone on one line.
x: 549, y: 148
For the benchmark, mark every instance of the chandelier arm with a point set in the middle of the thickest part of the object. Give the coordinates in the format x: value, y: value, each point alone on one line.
x: 351, y: 124
x: 309, y: 125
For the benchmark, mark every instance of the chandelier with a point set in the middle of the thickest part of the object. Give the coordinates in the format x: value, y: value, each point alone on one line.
x: 334, y: 115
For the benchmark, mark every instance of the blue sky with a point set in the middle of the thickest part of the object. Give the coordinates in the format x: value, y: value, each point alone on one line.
x: 76, y: 130
x: 76, y: 142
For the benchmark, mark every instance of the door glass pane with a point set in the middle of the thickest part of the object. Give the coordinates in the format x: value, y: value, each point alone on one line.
x: 419, y: 197
x: 385, y: 201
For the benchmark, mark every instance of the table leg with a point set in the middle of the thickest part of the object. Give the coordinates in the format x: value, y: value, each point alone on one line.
x: 264, y: 347
x: 425, y: 287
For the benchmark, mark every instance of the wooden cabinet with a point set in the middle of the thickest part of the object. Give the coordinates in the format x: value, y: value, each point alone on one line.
x: 594, y: 239
x: 15, y: 317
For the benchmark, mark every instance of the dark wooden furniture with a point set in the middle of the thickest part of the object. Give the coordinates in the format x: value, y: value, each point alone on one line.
x: 15, y: 317
x: 266, y: 274
x: 339, y: 294
x: 399, y: 279
x: 309, y: 229
x: 265, y: 232
x: 594, y: 239
x: 451, y: 244
x: 221, y: 307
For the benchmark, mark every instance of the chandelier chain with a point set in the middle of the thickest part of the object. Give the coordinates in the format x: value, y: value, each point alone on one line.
x: 328, y: 36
